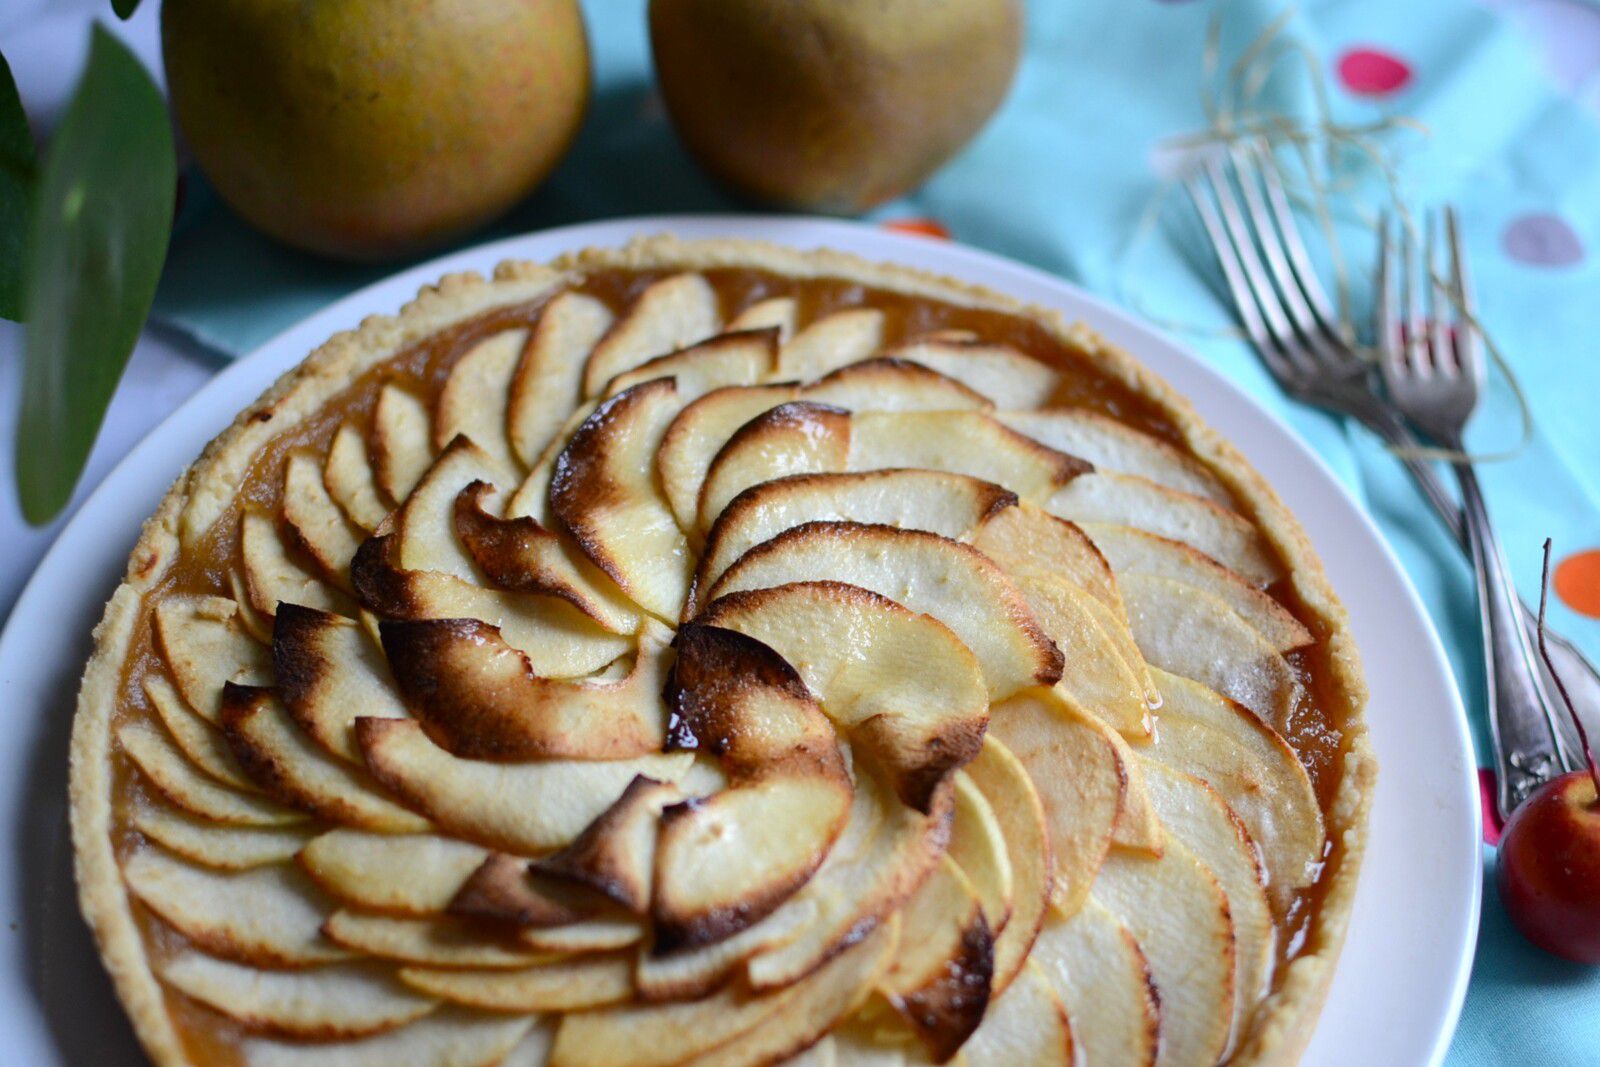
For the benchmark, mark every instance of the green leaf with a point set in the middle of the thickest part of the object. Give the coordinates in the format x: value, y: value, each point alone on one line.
x: 17, y: 166
x: 102, y: 218
x: 124, y: 8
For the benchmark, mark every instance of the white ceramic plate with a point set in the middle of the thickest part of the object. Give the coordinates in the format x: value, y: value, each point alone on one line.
x: 1404, y: 971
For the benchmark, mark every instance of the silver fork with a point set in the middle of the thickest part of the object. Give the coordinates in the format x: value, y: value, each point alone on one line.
x: 1433, y: 367
x: 1290, y: 321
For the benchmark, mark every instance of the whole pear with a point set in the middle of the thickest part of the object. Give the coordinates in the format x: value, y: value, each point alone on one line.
x: 833, y: 105
x: 368, y: 129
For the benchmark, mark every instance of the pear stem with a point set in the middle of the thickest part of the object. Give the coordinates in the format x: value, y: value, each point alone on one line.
x: 1566, y: 698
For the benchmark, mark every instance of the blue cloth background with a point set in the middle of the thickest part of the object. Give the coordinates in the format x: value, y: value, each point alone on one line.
x: 1059, y: 179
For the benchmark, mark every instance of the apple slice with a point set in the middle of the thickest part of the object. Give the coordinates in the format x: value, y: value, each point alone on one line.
x: 893, y: 385
x: 319, y: 525
x: 589, y: 935
x: 1104, y: 981
x: 528, y: 808
x: 692, y: 974
x: 1131, y: 551
x: 442, y: 941
x: 451, y: 1036
x: 558, y: 639
x: 329, y: 671
x: 226, y: 848
x: 1128, y: 500
x: 205, y: 643
x: 615, y: 855
x: 425, y: 528
x: 978, y: 848
x: 1178, y: 913
x: 669, y: 314
x: 831, y: 342
x: 738, y: 358
x: 402, y: 441
x: 939, y: 979
x: 1114, y: 446
x: 507, y: 889
x: 1189, y: 632
x: 775, y: 312
x: 479, y: 698
x: 1194, y: 814
x: 904, y: 685
x: 798, y: 437
x: 398, y: 874
x: 477, y: 392
x: 166, y: 768
x: 1026, y: 1024
x: 288, y: 768
x: 698, y: 432
x: 317, y: 1003
x: 604, y: 493
x: 549, y: 381
x: 348, y: 475
x: 558, y: 985
x: 929, y: 574
x: 999, y: 372
x: 1028, y: 538
x: 952, y: 505
x: 202, y: 743
x: 1080, y: 778
x: 269, y: 916
x: 273, y: 577
x: 961, y: 442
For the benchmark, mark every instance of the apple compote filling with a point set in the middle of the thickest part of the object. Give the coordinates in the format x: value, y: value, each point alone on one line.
x: 710, y: 666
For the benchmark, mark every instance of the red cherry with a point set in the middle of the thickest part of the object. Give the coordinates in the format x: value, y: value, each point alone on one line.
x: 1550, y: 868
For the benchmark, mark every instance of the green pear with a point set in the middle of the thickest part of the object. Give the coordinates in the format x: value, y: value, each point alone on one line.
x: 369, y: 129
x: 833, y: 105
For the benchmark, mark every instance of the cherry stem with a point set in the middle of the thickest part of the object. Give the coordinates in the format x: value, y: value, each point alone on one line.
x: 1566, y: 698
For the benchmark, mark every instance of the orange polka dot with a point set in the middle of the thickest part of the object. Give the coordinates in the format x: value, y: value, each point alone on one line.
x: 925, y: 227
x: 1577, y: 582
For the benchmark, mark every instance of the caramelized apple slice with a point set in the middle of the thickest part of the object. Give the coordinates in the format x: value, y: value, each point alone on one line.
x: 319, y: 525
x: 615, y: 855
x: 399, y: 874
x: 273, y: 577
x: 961, y: 442
x: 528, y: 808
x: 440, y: 941
x: 476, y: 395
x: 999, y: 372
x: 1114, y: 446
x: 348, y: 475
x: 424, y: 527
x: 831, y: 342
x: 794, y: 438
x: 939, y: 979
x: 205, y: 644
x: 739, y: 358
x: 1005, y: 784
x: 668, y: 315
x: 329, y: 671
x: 978, y: 848
x: 227, y: 848
x: 548, y: 383
x: 317, y: 1003
x: 893, y: 385
x: 174, y: 777
x: 925, y: 572
x: 1026, y: 1024
x: 269, y: 916
x: 776, y: 312
x: 402, y: 441
x: 557, y: 985
x: 698, y: 432
x: 454, y: 1036
x: 690, y: 974
x: 202, y: 743
x: 1104, y: 981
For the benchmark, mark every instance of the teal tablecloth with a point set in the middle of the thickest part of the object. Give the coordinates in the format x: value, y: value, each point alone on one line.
x: 1060, y: 179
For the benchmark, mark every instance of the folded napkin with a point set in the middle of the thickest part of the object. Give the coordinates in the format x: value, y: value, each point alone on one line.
x: 1062, y: 179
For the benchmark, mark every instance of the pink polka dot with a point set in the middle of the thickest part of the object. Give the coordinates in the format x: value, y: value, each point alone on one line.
x: 1371, y: 72
x: 1540, y: 239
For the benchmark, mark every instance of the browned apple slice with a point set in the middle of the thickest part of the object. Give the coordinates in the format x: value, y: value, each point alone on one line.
x: 440, y: 941
x: 549, y: 382
x: 1028, y: 538
x: 691, y: 974
x: 927, y: 573
x: 201, y: 742
x: 893, y: 385
x: 697, y: 434
x: 1178, y: 913
x: 736, y: 358
x: 227, y: 848
x: 319, y: 525
x: 939, y: 977
x: 507, y: 889
x: 399, y: 874
x: 318, y: 1003
x: 479, y: 698
x: 798, y: 437
x: 1114, y: 446
x: 453, y: 1036
x: 402, y: 441
x: 905, y: 686
x: 1128, y: 500
x: 1027, y: 1024
x: 1133, y: 551
x: 425, y: 528
x: 273, y: 576
x: 270, y: 916
x: 669, y: 314
x: 1080, y: 780
x: 558, y: 985
x: 528, y: 808
x: 604, y: 492
x: 951, y: 505
x: 615, y: 855
x: 999, y: 372
x: 775, y: 312
x: 1104, y: 981
x: 348, y: 475
x: 520, y: 555
x: 477, y: 392
x: 288, y: 768
x: 1189, y: 632
x: 831, y: 342
x: 329, y: 671
x: 174, y: 777
x: 978, y: 847
x: 206, y: 644
x: 961, y: 442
